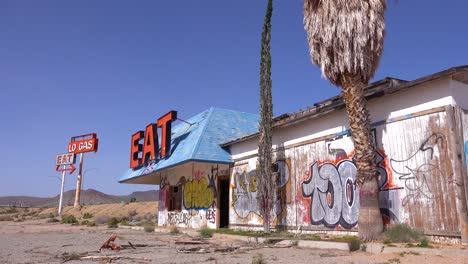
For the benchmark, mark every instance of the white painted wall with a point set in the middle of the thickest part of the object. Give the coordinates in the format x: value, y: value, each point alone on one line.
x: 460, y: 93
x: 419, y: 98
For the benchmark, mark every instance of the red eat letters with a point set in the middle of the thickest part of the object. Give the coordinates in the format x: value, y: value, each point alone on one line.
x: 149, y: 150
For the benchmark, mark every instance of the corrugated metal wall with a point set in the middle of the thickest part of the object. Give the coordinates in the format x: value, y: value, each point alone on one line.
x: 316, y: 180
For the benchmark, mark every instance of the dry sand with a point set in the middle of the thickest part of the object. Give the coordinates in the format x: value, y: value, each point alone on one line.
x: 40, y: 242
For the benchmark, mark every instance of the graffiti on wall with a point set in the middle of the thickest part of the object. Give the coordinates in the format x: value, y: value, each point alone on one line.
x: 466, y: 154
x: 416, y: 175
x: 200, y: 193
x: 244, y: 190
x: 211, y: 214
x: 178, y: 218
x: 197, y: 194
x: 334, y: 197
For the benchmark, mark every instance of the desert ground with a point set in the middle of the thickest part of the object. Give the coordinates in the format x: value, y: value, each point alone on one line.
x: 38, y: 241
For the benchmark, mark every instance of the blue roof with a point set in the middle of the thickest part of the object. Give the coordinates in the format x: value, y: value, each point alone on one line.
x: 201, y: 140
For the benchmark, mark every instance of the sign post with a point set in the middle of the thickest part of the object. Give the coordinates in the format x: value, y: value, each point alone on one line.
x: 82, y: 144
x: 64, y: 160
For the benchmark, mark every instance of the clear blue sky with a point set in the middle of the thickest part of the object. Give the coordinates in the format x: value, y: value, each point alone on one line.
x: 111, y: 67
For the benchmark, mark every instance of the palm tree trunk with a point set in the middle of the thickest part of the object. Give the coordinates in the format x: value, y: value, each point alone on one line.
x: 370, y: 221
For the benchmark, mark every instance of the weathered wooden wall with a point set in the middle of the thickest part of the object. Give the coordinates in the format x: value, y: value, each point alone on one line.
x: 316, y: 180
x: 464, y: 124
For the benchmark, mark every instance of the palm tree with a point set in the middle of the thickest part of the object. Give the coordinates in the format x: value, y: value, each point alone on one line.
x: 265, y: 179
x: 346, y: 41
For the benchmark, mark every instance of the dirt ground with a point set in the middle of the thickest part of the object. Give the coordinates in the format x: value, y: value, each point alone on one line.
x: 39, y: 242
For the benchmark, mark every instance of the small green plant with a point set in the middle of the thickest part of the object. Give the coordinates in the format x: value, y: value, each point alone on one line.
x: 87, y: 216
x: 206, y: 232
x: 50, y: 215
x: 52, y: 220
x: 402, y: 233
x: 11, y: 210
x: 174, y: 231
x: 394, y: 260
x: 69, y: 219
x: 354, y: 244
x: 113, y: 222
x: 258, y: 259
x: 424, y: 243
x: 148, y: 227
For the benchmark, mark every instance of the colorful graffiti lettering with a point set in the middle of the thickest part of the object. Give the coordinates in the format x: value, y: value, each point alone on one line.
x: 197, y: 194
x: 244, y: 195
x: 178, y: 218
x: 415, y: 175
x: 211, y: 215
x: 331, y: 186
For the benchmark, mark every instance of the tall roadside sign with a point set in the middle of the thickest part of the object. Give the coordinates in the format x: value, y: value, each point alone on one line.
x: 80, y: 145
x: 61, y: 163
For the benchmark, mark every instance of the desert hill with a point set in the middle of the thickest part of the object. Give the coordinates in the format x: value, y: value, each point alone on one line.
x: 89, y: 196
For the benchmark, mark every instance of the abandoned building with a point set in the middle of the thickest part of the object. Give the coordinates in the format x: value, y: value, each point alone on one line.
x: 420, y: 128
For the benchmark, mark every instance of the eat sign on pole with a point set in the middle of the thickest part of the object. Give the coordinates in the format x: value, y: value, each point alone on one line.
x: 62, y: 160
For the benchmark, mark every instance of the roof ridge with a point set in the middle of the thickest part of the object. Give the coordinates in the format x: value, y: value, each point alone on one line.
x: 205, y: 125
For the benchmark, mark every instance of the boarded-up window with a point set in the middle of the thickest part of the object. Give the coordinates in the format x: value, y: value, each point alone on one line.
x: 175, y: 198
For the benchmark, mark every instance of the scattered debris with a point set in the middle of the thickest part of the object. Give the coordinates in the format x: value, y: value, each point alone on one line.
x: 192, y: 250
x: 72, y: 256
x: 226, y: 249
x: 190, y: 242
x: 110, y: 244
x: 101, y: 258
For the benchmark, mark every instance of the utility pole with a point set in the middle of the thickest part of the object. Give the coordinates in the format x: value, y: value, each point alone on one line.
x: 78, y: 183
x: 61, y: 191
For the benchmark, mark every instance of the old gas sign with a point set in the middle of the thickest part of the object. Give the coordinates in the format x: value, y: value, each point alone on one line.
x: 150, y: 150
x: 65, y: 159
x: 83, y: 143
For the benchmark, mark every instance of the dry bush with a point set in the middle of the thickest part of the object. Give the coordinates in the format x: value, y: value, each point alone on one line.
x: 101, y: 219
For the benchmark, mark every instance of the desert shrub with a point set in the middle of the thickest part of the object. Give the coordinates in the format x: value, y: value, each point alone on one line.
x: 354, y: 244
x: 258, y: 259
x: 88, y: 223
x: 174, y: 231
x: 424, y: 243
x: 52, y: 220
x: 101, y: 219
x: 133, y: 200
x: 11, y: 210
x: 87, y: 216
x: 69, y: 219
x: 402, y: 233
x: 132, y: 213
x: 6, y: 218
x: 206, y: 232
x: 148, y: 227
x: 113, y: 222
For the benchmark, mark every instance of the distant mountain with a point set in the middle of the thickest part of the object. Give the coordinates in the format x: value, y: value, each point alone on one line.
x: 89, y: 196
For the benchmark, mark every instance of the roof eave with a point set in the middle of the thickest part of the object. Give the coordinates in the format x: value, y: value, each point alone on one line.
x: 372, y: 91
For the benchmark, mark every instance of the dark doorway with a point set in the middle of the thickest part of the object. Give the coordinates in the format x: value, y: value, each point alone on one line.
x: 224, y: 203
